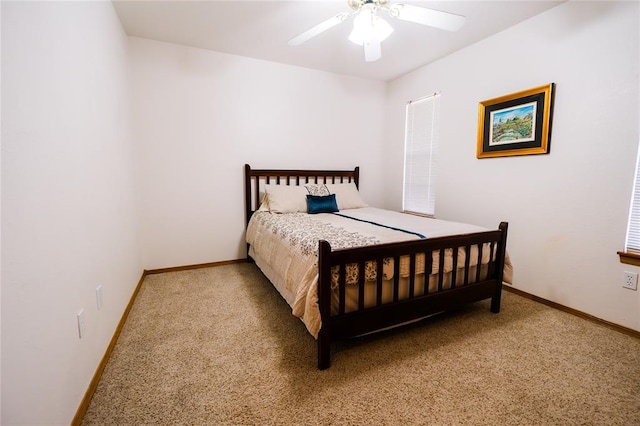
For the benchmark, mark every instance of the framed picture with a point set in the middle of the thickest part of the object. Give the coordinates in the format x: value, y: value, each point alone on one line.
x: 516, y: 124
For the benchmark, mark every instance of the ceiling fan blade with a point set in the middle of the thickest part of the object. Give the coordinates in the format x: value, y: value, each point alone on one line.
x: 372, y: 50
x: 431, y: 17
x: 321, y: 27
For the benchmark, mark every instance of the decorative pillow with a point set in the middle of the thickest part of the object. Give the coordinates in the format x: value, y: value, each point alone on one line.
x: 321, y: 204
x: 317, y: 189
x: 347, y: 195
x: 286, y: 198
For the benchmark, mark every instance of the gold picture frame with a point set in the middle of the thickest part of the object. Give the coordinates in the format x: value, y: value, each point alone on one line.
x: 516, y: 124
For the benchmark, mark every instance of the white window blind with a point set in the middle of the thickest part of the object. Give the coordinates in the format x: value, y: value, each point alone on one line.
x: 420, y: 148
x: 632, y: 244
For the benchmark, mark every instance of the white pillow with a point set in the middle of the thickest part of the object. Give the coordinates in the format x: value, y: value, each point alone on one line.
x: 286, y: 198
x: 347, y: 195
x: 264, y: 202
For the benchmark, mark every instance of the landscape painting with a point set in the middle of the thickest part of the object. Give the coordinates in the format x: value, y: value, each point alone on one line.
x: 513, y: 125
x: 516, y: 124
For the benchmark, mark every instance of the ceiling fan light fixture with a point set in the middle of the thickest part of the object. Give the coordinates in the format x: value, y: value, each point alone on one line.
x: 369, y: 26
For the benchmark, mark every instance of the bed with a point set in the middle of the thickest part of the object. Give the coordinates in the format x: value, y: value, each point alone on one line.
x: 348, y: 269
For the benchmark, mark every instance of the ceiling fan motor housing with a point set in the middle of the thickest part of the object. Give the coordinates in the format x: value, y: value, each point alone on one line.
x: 357, y: 4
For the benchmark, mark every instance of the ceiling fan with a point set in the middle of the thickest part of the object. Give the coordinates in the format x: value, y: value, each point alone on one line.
x: 369, y: 29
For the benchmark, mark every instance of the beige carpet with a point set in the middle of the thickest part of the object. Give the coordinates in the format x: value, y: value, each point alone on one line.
x: 219, y: 346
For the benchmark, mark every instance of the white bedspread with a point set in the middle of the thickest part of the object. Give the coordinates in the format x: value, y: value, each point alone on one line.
x: 288, y: 244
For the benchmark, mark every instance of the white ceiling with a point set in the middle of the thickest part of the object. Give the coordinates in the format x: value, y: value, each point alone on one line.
x: 261, y: 29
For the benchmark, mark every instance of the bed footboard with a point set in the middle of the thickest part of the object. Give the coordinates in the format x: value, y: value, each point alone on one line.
x: 465, y: 283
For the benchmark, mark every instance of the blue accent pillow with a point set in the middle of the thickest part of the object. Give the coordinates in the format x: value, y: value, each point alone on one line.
x: 321, y: 204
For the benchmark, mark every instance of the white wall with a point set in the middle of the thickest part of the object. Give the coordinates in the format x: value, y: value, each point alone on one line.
x: 567, y: 210
x: 68, y: 201
x: 200, y: 116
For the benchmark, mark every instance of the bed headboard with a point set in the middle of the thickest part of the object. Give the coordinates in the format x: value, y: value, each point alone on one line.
x: 255, y: 179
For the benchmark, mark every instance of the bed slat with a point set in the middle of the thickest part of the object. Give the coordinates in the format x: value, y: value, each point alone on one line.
x: 442, y: 253
x: 478, y: 265
x: 396, y: 278
x: 467, y: 262
x: 454, y: 266
x: 428, y: 269
x: 412, y: 275
x: 343, y: 288
x: 361, y: 288
x: 379, y: 266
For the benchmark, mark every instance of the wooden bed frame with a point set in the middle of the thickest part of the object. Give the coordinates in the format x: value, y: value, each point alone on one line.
x: 344, y: 325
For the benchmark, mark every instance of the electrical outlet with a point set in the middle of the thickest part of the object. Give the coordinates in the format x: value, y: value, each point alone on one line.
x: 630, y: 280
x: 82, y: 324
x: 99, y: 296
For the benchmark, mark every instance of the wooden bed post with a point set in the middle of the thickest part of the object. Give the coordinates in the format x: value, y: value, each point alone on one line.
x: 502, y: 249
x: 247, y: 193
x: 247, y: 202
x: 324, y: 302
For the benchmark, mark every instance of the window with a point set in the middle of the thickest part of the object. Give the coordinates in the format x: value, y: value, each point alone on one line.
x: 420, y: 147
x: 631, y: 252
